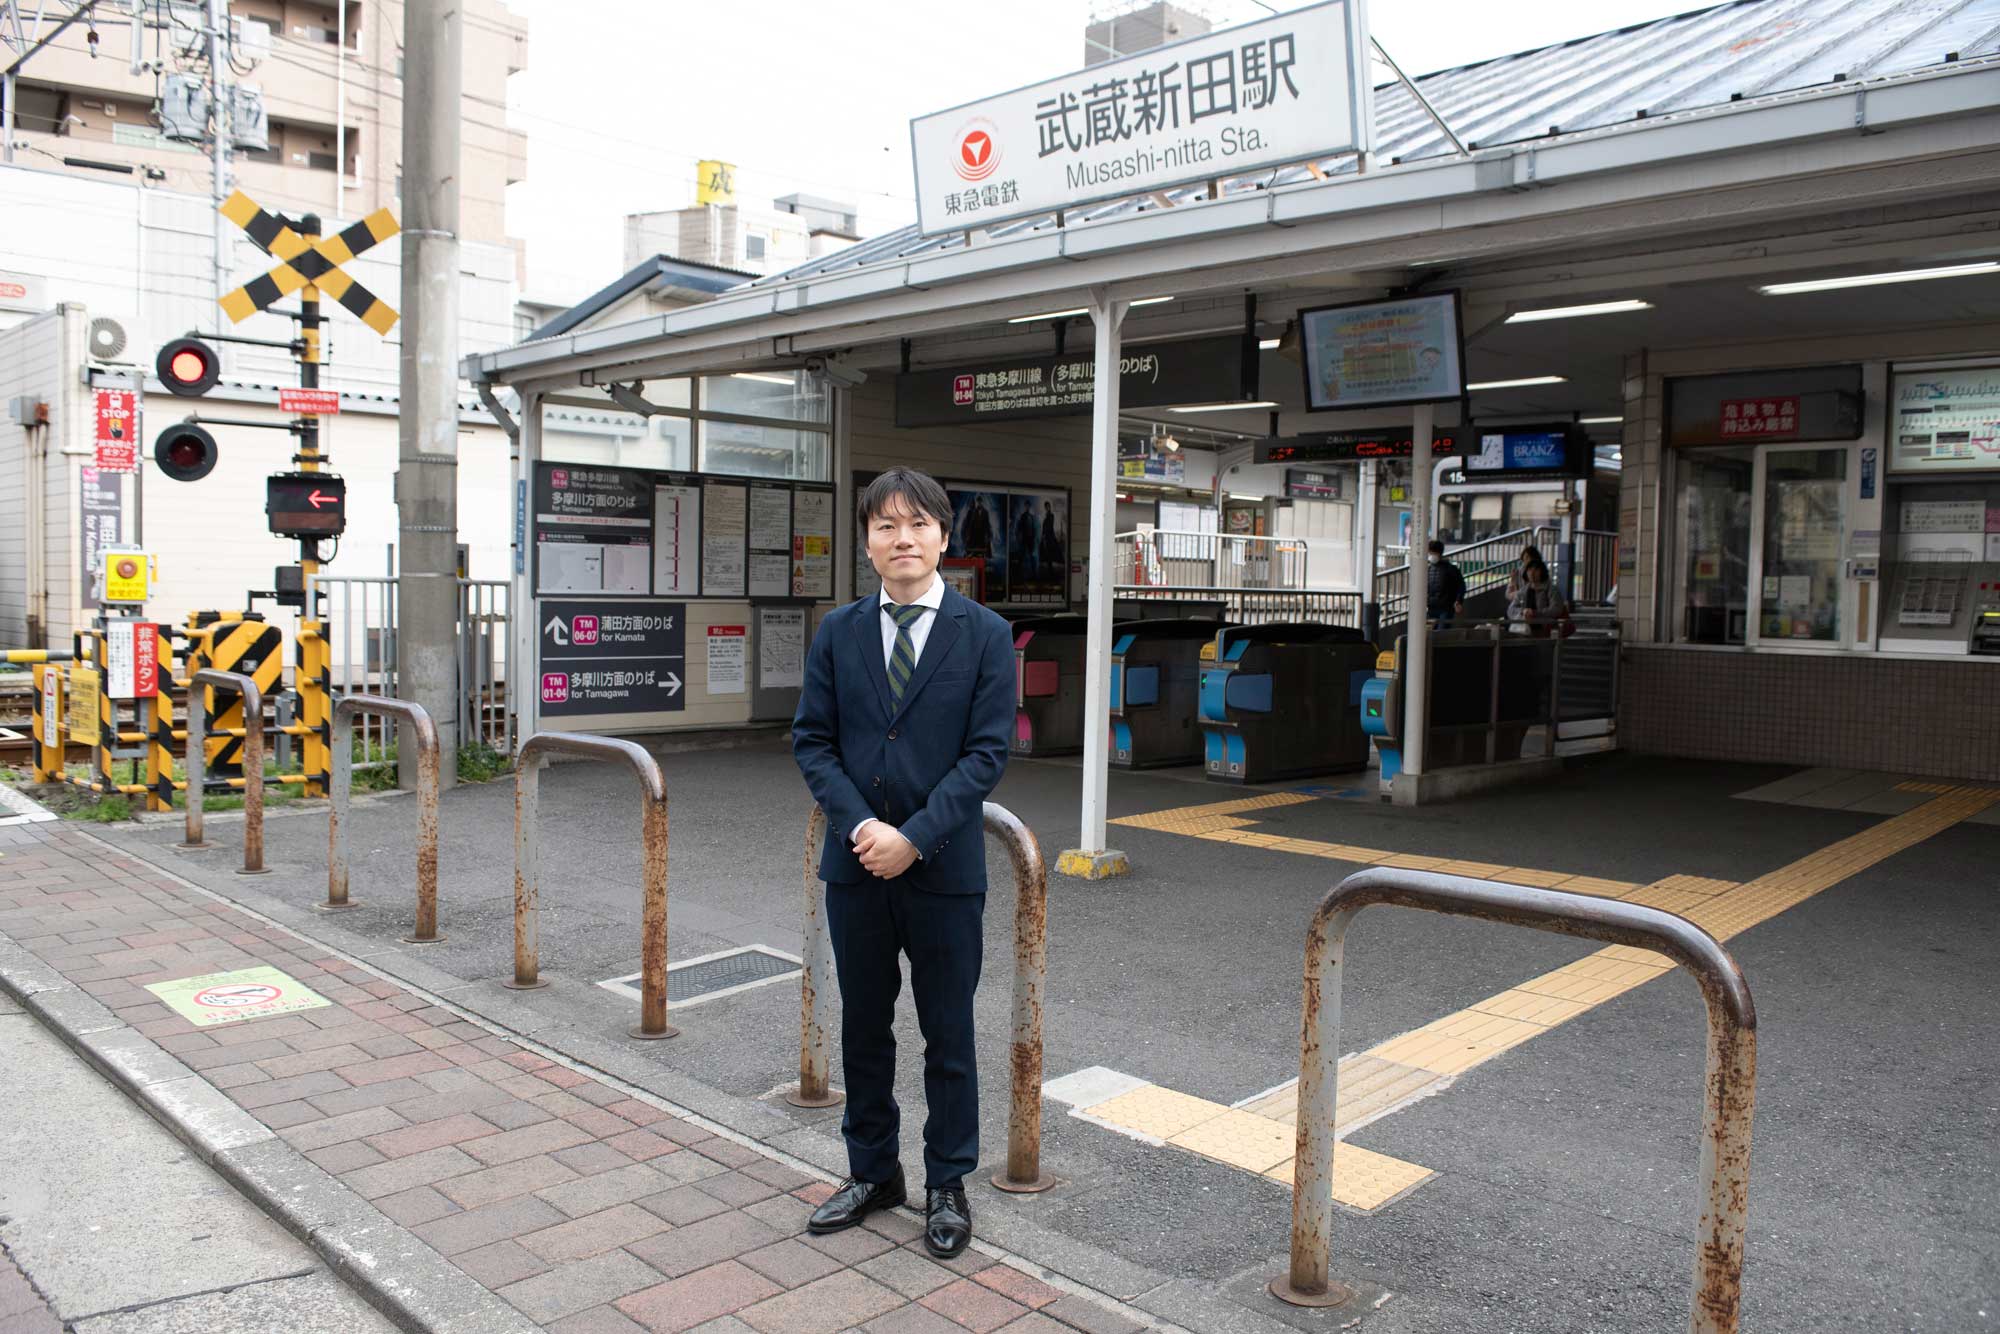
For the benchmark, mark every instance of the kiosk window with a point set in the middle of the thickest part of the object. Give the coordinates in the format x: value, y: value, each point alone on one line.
x: 1804, y: 514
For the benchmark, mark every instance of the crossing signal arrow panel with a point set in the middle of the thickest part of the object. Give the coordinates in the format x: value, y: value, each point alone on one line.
x: 306, y: 504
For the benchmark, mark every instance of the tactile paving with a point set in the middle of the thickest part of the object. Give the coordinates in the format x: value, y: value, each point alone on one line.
x: 1364, y: 1179
x: 1241, y: 1139
x: 1159, y: 1112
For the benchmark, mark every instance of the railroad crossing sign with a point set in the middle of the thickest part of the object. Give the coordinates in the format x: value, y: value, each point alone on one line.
x: 301, y: 262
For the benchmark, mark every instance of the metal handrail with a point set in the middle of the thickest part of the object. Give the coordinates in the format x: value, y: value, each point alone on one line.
x: 1203, y: 559
x: 1023, y: 1175
x: 653, y: 866
x: 1731, y: 1077
x: 340, y: 794
x: 253, y: 764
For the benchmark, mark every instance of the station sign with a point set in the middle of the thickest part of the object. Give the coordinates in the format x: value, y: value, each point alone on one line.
x: 1220, y: 369
x: 305, y: 504
x: 1267, y: 94
x: 1745, y: 407
x: 1313, y: 483
x: 1389, y: 442
x: 603, y: 656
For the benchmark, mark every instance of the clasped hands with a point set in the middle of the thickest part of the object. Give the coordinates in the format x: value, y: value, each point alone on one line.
x: 883, y: 850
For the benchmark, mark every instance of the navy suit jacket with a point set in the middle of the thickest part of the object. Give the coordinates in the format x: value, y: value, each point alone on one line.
x: 925, y: 767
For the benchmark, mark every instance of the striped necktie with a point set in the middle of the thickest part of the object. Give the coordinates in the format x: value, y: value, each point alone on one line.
x: 903, y: 658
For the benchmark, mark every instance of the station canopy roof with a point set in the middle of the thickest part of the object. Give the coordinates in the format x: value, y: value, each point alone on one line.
x: 1681, y: 162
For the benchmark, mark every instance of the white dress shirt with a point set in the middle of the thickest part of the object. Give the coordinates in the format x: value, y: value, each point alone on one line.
x: 920, y: 633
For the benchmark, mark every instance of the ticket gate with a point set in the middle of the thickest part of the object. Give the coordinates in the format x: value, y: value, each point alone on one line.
x: 1155, y: 692
x: 1284, y: 701
x: 1048, y: 685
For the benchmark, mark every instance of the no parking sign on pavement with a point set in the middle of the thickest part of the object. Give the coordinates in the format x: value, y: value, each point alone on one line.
x: 225, y: 998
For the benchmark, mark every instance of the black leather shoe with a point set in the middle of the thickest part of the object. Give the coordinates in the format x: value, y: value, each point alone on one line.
x: 854, y: 1201
x: 947, y: 1222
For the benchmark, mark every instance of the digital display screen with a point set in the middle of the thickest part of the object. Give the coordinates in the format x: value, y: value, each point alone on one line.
x: 312, y: 504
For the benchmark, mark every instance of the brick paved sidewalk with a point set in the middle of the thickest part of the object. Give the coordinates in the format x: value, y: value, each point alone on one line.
x: 586, y: 1208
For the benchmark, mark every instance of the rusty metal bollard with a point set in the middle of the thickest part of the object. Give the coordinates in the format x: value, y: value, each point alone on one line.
x: 253, y: 764
x: 1031, y: 916
x: 416, y: 722
x: 1731, y: 1078
x: 527, y: 866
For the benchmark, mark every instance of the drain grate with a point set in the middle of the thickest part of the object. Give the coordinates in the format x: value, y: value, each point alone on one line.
x: 711, y: 976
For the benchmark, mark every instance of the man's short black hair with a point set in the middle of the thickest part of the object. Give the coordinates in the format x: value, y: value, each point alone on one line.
x: 1436, y: 546
x: 918, y: 490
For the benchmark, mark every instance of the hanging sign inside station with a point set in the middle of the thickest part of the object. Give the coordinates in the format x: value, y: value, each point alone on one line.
x: 1352, y: 446
x: 1744, y: 407
x: 1556, y: 450
x: 1220, y: 369
x: 602, y: 656
x: 1281, y: 90
x: 117, y: 430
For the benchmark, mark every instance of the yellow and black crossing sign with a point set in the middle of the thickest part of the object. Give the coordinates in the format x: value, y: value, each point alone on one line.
x: 302, y: 263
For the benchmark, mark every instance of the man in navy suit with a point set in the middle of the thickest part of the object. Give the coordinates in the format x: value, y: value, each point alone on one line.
x: 901, y: 733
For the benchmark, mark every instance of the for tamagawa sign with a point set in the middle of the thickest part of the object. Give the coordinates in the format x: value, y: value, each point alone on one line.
x: 1284, y: 89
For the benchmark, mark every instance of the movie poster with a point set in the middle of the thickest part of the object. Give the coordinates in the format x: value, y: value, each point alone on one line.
x: 979, y: 530
x: 1037, y: 546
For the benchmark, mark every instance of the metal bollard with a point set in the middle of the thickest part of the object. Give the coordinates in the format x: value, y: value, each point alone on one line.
x: 1731, y: 1078
x: 1031, y: 916
x: 415, y: 723
x: 527, y: 866
x: 253, y: 765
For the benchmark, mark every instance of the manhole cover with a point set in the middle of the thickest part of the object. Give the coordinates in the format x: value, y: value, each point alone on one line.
x: 692, y: 981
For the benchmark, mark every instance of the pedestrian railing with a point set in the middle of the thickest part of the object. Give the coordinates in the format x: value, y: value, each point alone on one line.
x: 415, y: 723
x: 653, y: 838
x: 1023, y: 1174
x: 253, y: 764
x: 1731, y: 1080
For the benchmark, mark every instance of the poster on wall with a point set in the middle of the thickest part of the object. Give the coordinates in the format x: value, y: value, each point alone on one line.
x: 725, y: 529
x: 728, y: 659
x: 770, y: 539
x: 781, y: 648
x: 677, y: 538
x: 1037, y: 546
x: 979, y: 532
x: 593, y: 529
x: 1945, y: 420
x: 812, y: 544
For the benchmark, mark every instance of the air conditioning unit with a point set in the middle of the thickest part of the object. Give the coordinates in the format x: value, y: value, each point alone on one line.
x: 184, y: 109
x: 108, y: 338
x: 249, y: 122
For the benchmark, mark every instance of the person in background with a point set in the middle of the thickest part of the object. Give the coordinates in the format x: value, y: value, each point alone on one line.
x: 1446, y: 583
x: 1537, y: 605
x: 1530, y: 555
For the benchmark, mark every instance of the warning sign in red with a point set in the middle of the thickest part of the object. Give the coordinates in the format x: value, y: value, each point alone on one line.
x: 117, y: 431
x: 1760, y: 416
x: 310, y: 402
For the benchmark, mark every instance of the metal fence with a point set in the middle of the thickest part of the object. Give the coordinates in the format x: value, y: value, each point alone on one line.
x: 485, y: 706
x: 1260, y: 606
x: 1172, y: 559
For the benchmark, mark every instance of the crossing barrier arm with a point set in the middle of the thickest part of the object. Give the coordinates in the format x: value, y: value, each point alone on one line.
x: 253, y: 764
x: 527, y: 865
x: 1023, y: 1174
x: 416, y: 722
x: 1731, y: 1073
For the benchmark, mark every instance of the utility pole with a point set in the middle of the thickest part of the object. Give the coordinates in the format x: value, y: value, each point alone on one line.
x: 427, y: 476
x: 218, y: 115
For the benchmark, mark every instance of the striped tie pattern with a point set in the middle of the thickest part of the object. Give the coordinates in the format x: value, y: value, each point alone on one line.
x: 903, y: 658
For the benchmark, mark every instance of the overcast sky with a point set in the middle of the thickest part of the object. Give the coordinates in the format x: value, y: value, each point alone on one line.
x: 622, y: 97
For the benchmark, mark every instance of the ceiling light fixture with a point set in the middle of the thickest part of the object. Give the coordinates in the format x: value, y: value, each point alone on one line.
x: 1523, y: 382
x: 1571, y: 312
x: 1224, y: 407
x: 1875, y: 279
x: 1069, y: 315
x: 764, y: 378
x: 1599, y: 421
x: 1269, y: 344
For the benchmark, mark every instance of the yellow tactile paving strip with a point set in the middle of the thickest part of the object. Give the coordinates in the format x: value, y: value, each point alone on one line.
x: 1392, y: 1073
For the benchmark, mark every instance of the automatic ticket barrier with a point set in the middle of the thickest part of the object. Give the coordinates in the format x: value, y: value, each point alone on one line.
x: 1487, y: 690
x: 1155, y: 688
x: 1048, y: 685
x: 1284, y: 701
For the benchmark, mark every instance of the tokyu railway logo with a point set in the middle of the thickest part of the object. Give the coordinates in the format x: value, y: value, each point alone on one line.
x: 978, y: 151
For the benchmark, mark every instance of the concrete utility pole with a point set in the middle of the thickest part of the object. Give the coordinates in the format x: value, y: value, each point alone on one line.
x: 427, y: 478
x: 218, y: 119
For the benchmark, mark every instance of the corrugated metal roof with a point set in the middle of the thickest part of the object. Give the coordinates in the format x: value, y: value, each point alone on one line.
x: 1747, y: 51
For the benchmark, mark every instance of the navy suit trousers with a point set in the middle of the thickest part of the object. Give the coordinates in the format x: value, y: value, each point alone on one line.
x: 871, y: 924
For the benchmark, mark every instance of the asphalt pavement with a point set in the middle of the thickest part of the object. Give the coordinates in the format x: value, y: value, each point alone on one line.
x: 1565, y: 1194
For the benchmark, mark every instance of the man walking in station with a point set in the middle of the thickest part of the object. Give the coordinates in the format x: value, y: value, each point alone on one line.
x: 901, y: 734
